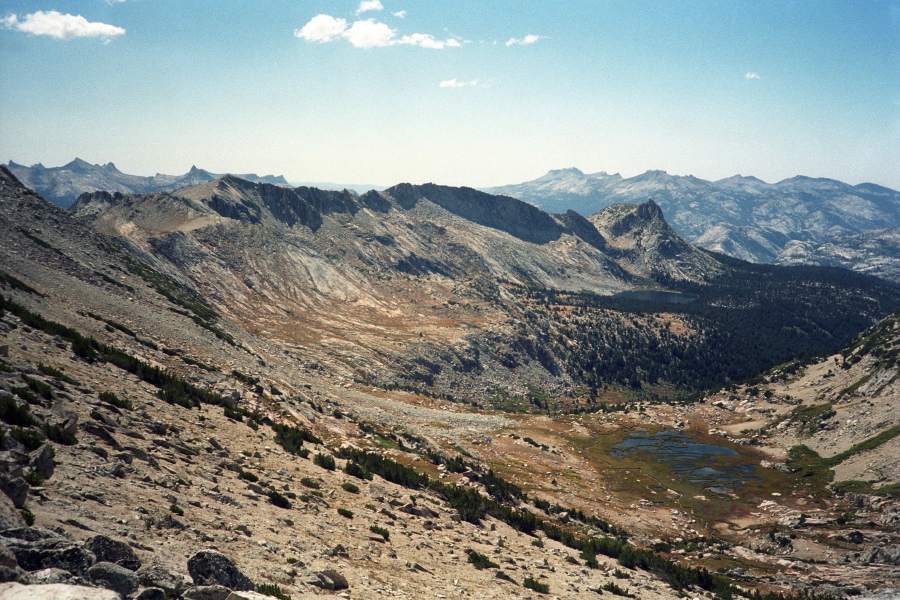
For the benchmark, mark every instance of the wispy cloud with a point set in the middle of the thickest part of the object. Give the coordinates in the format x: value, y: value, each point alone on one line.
x: 525, y: 41
x: 455, y: 83
x: 752, y: 76
x: 399, y: 14
x: 62, y: 27
x: 367, y: 5
x: 366, y: 33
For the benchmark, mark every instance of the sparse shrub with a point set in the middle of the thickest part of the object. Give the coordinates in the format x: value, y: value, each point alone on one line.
x: 533, y: 584
x: 292, y: 561
x: 34, y: 478
x: 326, y: 461
x: 177, y: 510
x: 272, y: 589
x: 38, y: 387
x: 28, y: 437
x: 338, y: 414
x: 57, y: 434
x: 349, y: 487
x: 538, y: 543
x: 13, y: 413
x: 310, y: 483
x: 614, y: 588
x: 480, y: 561
x: 291, y: 438
x: 25, y: 394
x: 380, y: 531
x: 620, y: 574
x: 111, y: 398
x: 345, y: 513
x: 278, y: 500
x: 251, y: 477
x: 28, y: 516
x: 54, y: 372
x: 355, y: 470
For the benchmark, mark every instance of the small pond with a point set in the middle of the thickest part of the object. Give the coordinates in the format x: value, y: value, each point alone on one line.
x: 707, y: 465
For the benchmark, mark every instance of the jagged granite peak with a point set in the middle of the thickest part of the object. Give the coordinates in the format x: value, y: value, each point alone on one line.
x: 647, y: 246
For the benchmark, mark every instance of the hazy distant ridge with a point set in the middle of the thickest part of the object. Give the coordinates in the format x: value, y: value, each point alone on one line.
x: 742, y: 216
x: 62, y: 185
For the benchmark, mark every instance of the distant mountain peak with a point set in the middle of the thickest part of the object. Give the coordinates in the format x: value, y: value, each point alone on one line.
x: 570, y: 170
x: 78, y: 165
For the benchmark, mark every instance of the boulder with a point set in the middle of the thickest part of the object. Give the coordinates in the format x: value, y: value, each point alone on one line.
x: 54, y: 591
x: 206, y: 592
x: 41, y: 460
x: 114, y: 577
x: 7, y: 558
x: 339, y: 581
x: 9, y: 516
x: 152, y: 594
x: 17, y: 490
x: 329, y: 579
x: 114, y: 551
x: 156, y: 575
x: 247, y: 596
x: 11, y: 574
x: 208, y: 567
x: 45, y: 576
x: 34, y: 556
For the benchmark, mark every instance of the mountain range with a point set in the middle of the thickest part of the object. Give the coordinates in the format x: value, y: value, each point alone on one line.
x: 431, y: 390
x: 62, y: 185
x: 745, y: 217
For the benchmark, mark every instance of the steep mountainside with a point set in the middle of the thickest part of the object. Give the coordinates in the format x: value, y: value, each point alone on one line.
x: 335, y: 269
x: 741, y: 216
x: 223, y: 373
x: 62, y: 185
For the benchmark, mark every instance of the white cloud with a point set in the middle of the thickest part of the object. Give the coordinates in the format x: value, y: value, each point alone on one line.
x: 60, y: 26
x: 367, y: 33
x: 322, y: 28
x: 752, y: 76
x: 454, y: 83
x: 525, y: 41
x: 367, y: 5
x: 399, y: 14
x: 427, y: 41
x: 370, y: 34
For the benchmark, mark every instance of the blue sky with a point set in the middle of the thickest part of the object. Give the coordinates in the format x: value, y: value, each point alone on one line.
x: 455, y: 92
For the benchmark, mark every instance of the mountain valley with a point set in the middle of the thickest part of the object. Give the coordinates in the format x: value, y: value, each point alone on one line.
x: 437, y: 392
